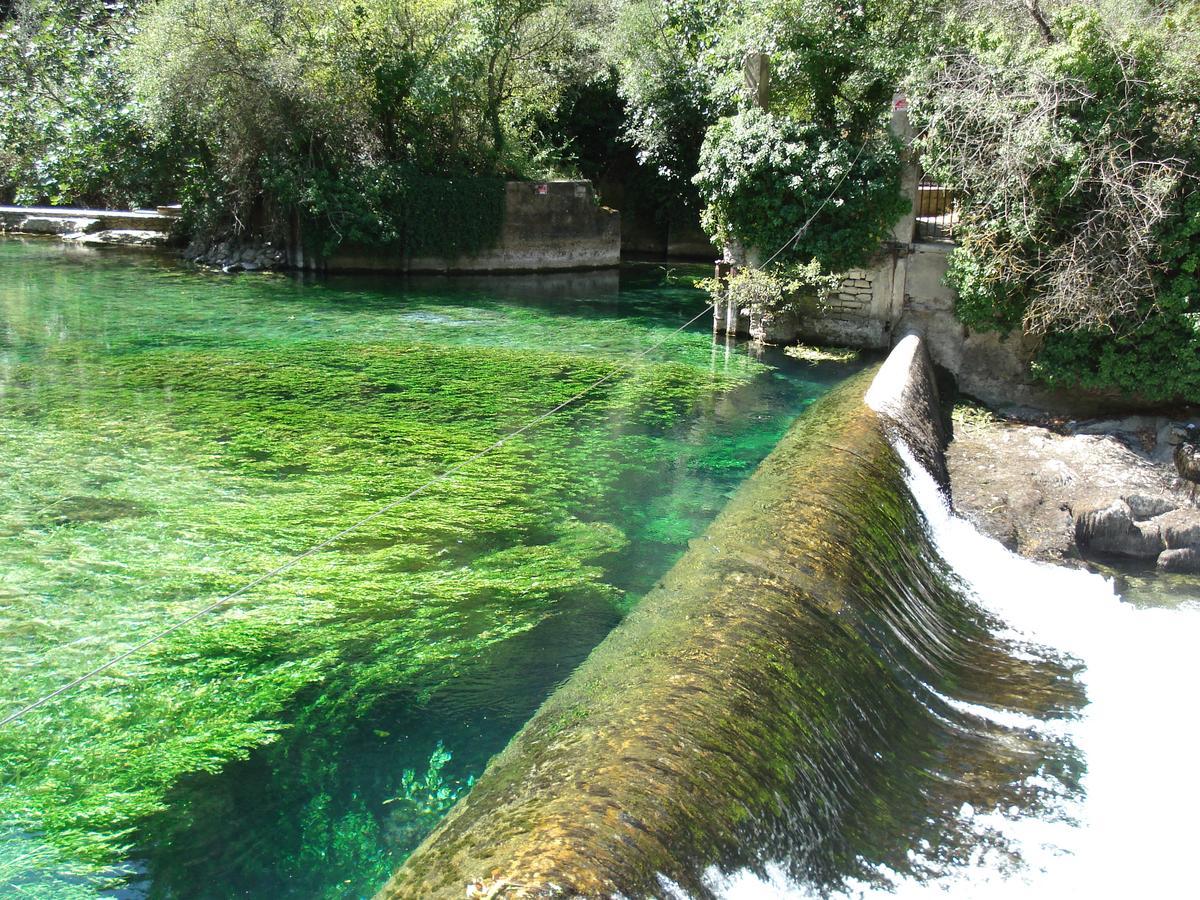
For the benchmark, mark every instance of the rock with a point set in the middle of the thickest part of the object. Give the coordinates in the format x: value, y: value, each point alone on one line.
x: 1180, y: 528
x: 1024, y: 478
x: 1162, y: 442
x: 128, y: 237
x: 1112, y: 530
x: 56, y: 225
x: 1144, y: 506
x: 1185, y: 560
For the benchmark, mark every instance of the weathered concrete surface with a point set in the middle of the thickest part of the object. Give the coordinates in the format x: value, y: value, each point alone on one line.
x: 986, y: 365
x: 68, y: 221
x: 560, y: 227
x: 1069, y: 497
x: 905, y: 393
x: 122, y: 237
x: 743, y: 685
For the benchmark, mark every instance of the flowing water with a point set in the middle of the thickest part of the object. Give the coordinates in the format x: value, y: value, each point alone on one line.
x: 167, y: 435
x: 1111, y: 807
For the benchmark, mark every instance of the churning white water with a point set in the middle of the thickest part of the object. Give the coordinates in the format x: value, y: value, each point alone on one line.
x: 1134, y: 831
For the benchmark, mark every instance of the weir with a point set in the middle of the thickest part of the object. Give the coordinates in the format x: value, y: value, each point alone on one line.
x: 793, y: 692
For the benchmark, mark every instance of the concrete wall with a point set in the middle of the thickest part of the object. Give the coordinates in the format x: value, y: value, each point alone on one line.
x: 62, y: 220
x: 987, y: 365
x: 549, y: 226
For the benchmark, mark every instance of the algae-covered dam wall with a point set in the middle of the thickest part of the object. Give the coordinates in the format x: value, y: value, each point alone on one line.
x: 775, y: 697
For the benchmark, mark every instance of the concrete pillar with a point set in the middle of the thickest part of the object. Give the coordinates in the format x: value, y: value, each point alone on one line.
x: 756, y: 69
x: 910, y: 176
x: 727, y: 318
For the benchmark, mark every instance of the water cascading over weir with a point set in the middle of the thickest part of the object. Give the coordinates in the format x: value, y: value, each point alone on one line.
x: 794, y: 691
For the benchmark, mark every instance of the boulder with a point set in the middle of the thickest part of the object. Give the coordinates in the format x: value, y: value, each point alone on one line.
x: 1180, y: 528
x: 1144, y: 506
x: 1185, y: 560
x: 1112, y: 530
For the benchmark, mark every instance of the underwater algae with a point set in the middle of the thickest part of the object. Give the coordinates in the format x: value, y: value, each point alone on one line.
x: 168, y: 436
x: 775, y: 698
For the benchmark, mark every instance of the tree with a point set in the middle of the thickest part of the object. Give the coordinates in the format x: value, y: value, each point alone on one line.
x: 359, y: 117
x: 1073, y: 146
x: 69, y: 129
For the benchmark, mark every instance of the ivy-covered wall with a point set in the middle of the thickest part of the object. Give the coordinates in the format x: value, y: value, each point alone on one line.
x: 537, y: 226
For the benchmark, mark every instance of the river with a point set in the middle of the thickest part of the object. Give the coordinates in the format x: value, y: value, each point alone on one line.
x: 169, y: 434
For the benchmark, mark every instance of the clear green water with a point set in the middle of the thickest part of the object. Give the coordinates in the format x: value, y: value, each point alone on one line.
x: 166, y: 435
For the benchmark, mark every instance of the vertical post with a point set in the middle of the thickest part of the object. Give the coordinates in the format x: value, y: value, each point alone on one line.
x: 756, y: 69
x: 902, y: 233
x: 909, y: 176
x: 727, y: 318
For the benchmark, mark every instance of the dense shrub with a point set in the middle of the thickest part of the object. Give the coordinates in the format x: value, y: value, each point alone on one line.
x: 382, y: 122
x: 766, y: 179
x: 69, y: 128
x: 1073, y: 145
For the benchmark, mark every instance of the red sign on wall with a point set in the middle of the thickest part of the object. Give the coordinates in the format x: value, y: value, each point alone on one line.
x: 543, y: 188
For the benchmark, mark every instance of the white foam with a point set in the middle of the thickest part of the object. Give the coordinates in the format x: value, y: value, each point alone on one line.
x: 1136, y: 827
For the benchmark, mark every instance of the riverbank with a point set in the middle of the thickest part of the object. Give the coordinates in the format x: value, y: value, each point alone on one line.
x: 1074, y: 491
x: 552, y: 226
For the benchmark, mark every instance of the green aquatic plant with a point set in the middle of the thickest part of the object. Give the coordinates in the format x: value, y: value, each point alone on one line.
x: 816, y: 355
x: 168, y: 437
x: 424, y: 799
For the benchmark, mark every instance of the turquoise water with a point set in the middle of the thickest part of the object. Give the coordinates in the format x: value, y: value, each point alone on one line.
x: 170, y: 434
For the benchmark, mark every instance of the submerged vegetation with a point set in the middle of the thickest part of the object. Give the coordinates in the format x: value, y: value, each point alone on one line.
x: 173, y: 437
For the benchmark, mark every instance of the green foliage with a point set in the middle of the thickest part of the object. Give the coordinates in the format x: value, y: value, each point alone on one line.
x: 834, y: 63
x: 774, y: 289
x: 667, y: 54
x: 422, y: 801
x: 1074, y: 160
x: 392, y: 207
x: 766, y: 178
x: 383, y: 123
x: 1156, y: 356
x: 362, y: 122
x: 69, y: 128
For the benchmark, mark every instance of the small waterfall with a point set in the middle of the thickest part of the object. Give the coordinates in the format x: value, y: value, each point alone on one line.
x: 1127, y: 828
x: 840, y: 689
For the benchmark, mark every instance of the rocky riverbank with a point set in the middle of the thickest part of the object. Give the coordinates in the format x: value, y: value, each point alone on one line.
x: 232, y: 256
x: 1070, y: 492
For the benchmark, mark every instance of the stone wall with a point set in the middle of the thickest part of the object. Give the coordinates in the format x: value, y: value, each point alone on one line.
x: 549, y: 226
x: 859, y: 314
